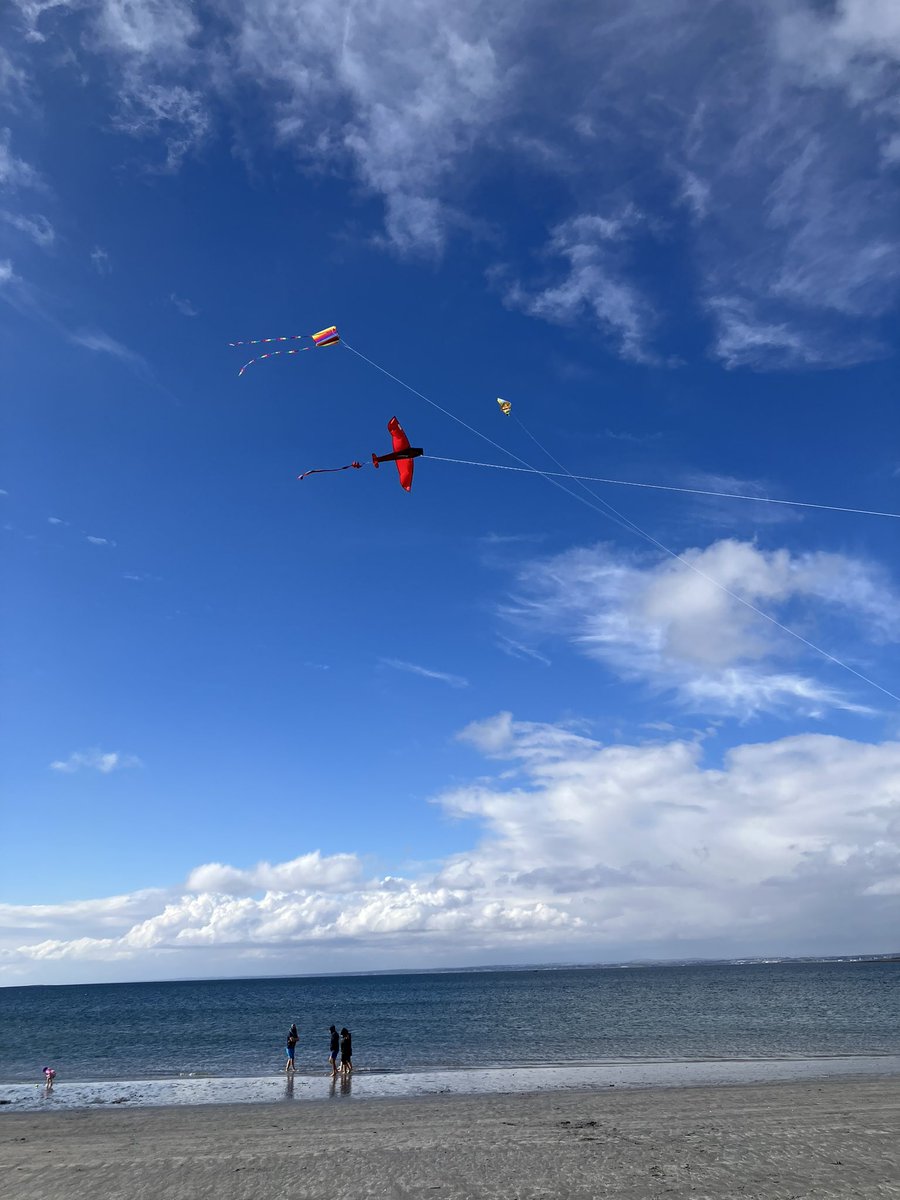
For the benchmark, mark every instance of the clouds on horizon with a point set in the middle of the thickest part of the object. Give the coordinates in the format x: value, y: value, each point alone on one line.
x: 583, y: 850
x: 766, y: 150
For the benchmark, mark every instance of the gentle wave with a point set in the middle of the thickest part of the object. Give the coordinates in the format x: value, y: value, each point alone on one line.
x: 469, y: 1081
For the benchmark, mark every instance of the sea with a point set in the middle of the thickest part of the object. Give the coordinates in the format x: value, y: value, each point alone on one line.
x: 460, y: 1032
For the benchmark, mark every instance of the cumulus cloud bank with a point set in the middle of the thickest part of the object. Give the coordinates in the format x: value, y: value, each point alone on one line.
x: 580, y: 850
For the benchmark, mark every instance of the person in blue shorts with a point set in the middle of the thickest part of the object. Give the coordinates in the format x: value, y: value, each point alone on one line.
x: 293, y: 1038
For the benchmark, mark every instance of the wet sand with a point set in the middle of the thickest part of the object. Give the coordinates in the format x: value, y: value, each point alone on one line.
x: 785, y: 1141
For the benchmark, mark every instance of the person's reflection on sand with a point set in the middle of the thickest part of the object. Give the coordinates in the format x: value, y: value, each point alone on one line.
x: 346, y: 1084
x: 332, y: 1085
x: 289, y: 1087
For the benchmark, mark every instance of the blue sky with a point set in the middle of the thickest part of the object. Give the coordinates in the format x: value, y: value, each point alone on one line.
x: 251, y: 724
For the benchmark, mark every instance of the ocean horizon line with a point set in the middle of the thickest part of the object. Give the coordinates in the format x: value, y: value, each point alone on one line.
x: 493, y: 968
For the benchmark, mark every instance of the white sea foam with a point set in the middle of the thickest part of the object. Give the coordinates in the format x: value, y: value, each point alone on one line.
x: 473, y: 1081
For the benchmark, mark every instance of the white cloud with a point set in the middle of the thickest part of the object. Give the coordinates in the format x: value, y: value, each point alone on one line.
x: 98, y: 541
x: 581, y: 850
x: 96, y: 760
x: 309, y: 871
x: 7, y: 274
x: 595, y: 283
x: 184, y: 306
x: 90, y: 918
x: 14, y: 172
x: 724, y: 513
x: 159, y: 29
x: 37, y: 227
x: 102, y: 343
x: 177, y: 114
x: 100, y: 261
x: 516, y: 649
x: 396, y: 664
x: 404, y: 90
x: 678, y: 629
x: 13, y: 78
x: 743, y: 339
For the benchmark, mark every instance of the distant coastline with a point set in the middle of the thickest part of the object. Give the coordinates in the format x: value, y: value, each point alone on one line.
x: 623, y: 965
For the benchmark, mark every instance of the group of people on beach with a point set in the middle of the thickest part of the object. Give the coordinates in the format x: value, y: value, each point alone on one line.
x: 341, y: 1043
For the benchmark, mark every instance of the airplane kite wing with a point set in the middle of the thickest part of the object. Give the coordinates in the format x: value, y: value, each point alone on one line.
x: 403, y: 454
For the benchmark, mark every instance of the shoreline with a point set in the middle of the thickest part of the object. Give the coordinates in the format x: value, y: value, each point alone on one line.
x: 808, y: 1140
x: 309, y: 1089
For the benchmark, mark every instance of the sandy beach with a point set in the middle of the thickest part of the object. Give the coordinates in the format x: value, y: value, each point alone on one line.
x: 778, y: 1141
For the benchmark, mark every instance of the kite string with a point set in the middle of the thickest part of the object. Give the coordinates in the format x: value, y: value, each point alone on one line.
x: 624, y: 522
x: 664, y: 487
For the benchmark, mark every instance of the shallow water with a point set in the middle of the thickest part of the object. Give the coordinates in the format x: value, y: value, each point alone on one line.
x: 472, y: 1081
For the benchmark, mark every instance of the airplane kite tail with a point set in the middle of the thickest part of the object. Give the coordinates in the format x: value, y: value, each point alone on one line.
x: 354, y: 466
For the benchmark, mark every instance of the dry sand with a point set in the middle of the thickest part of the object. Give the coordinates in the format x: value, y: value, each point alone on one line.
x: 778, y: 1141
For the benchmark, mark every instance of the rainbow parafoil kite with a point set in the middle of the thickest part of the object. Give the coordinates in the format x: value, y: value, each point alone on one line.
x: 325, y: 337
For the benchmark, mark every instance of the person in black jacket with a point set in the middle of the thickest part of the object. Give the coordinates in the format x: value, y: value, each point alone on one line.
x: 335, y: 1046
x: 346, y: 1052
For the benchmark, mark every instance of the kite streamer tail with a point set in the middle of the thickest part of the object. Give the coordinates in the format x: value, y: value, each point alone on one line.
x: 355, y: 466
x: 271, y: 354
x: 290, y: 337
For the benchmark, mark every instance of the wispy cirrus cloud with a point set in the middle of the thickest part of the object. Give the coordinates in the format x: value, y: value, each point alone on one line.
x: 14, y: 172
x: 103, y: 343
x: 184, y: 306
x: 14, y: 82
x: 595, y: 283
x: 516, y: 649
x: 36, y: 227
x: 396, y: 664
x: 177, y: 115
x: 95, y: 760
x: 762, y: 159
x: 100, y: 261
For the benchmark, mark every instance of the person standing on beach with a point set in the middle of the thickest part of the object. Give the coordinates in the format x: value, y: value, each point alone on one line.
x: 293, y: 1038
x: 346, y: 1052
x: 335, y: 1046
